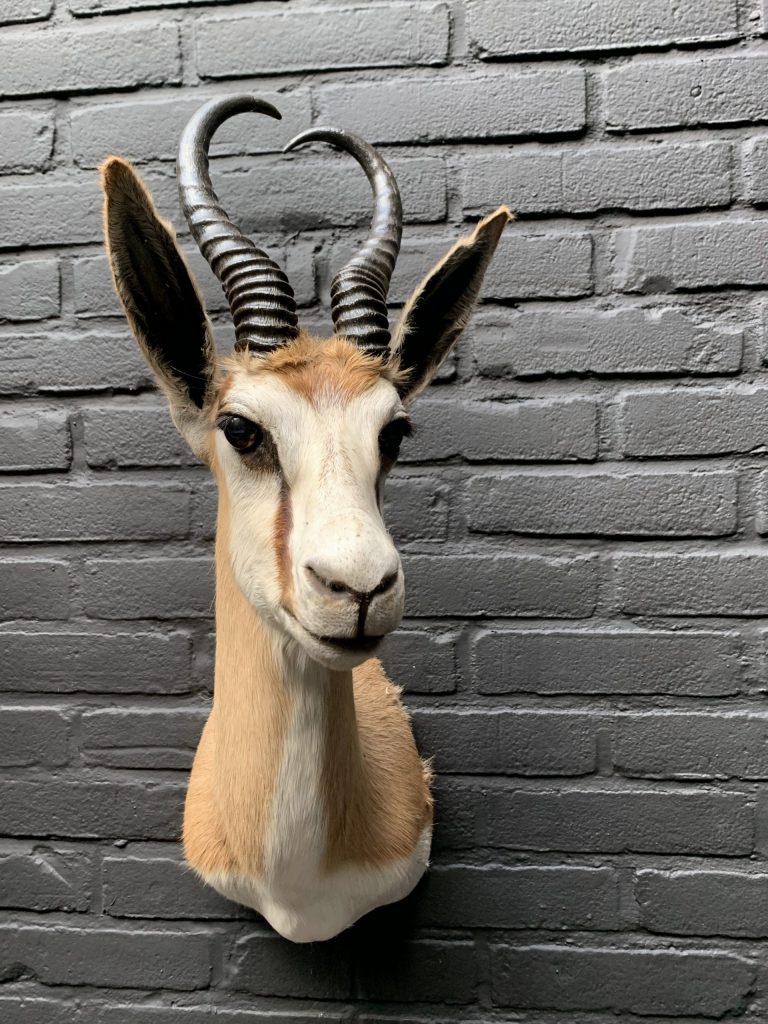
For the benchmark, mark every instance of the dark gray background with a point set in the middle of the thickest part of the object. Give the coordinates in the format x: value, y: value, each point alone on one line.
x: 581, y: 511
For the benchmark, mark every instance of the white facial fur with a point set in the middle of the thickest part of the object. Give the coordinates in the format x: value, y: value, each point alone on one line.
x: 329, y: 478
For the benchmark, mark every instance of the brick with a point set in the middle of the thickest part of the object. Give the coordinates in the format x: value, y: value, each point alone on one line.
x: 58, y: 363
x: 564, y: 26
x: 26, y: 1010
x: 150, y: 129
x: 69, y: 61
x: 225, y: 1012
x: 507, y: 742
x: 89, y: 8
x: 603, y: 504
x: 95, y: 662
x: 442, y: 110
x: 695, y: 421
x: 356, y: 37
x: 491, y: 896
x: 703, y: 902
x: 265, y: 965
x: 525, y: 266
x: 94, y: 511
x: 686, y: 93
x: 23, y: 10
x: 418, y: 971
x: 422, y: 662
x: 613, y: 661
x: 641, y: 981
x: 121, y: 738
x: 44, y: 878
x: 692, y: 746
x: 57, y: 213
x: 135, y: 435
x: 532, y: 430
x: 34, y: 441
x: 29, y: 290
x: 62, y: 955
x: 526, y: 585
x: 160, y: 887
x: 27, y: 140
x: 31, y: 736
x: 755, y: 161
x: 416, y: 508
x: 611, y: 820
x: 713, y: 254
x: 34, y: 589
x: 148, y: 588
x: 587, y: 179
x: 92, y: 809
x: 646, y: 342
x: 694, y: 584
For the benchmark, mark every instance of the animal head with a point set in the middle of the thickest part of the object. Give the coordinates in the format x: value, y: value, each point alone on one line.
x: 300, y: 433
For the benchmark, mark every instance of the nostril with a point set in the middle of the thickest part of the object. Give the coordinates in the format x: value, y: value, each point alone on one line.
x: 386, y: 584
x: 335, y: 586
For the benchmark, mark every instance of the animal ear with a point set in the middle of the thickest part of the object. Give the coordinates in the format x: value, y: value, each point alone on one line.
x: 159, y: 297
x: 440, y: 307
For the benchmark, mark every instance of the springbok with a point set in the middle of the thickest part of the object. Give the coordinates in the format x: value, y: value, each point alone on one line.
x: 307, y: 800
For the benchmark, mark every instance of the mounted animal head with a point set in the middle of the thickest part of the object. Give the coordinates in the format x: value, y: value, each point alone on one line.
x: 300, y: 433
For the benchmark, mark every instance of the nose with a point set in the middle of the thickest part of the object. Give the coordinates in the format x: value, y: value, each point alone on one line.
x: 340, y: 589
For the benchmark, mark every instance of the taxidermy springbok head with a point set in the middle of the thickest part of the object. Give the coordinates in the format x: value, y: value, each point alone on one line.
x: 307, y: 798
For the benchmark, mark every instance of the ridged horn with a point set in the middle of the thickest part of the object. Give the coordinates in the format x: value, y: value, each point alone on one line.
x: 257, y: 290
x: 359, y: 291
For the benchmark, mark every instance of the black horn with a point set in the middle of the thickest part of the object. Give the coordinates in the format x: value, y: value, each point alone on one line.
x: 359, y: 291
x: 258, y: 292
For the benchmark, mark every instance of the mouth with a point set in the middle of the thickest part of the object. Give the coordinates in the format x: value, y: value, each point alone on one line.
x: 349, y: 644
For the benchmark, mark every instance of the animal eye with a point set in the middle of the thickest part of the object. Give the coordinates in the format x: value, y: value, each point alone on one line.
x: 391, y: 437
x: 241, y: 433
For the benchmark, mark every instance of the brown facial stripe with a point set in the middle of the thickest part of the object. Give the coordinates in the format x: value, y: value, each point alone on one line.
x: 281, y: 535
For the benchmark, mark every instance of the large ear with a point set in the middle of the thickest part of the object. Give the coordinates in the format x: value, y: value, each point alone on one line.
x: 159, y: 297
x: 440, y: 307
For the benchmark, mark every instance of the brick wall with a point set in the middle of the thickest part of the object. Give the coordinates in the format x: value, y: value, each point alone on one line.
x: 581, y: 513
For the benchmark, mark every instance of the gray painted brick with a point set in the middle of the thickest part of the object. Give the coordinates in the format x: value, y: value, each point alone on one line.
x: 687, y: 257
x: 89, y: 8
x: 154, y: 588
x: 126, y: 809
x: 58, y: 363
x: 420, y: 970
x: 24, y: 10
x: 43, y: 877
x: 644, y: 342
x: 534, y: 430
x: 422, y: 662
x: 696, y: 421
x: 761, y: 523
x: 75, y: 662
x: 416, y: 508
x: 226, y: 1012
x: 34, y: 441
x: 491, y: 896
x: 267, y: 966
x: 642, y: 981
x: 439, y: 109
x: 108, y: 956
x: 701, y: 583
x: 703, y: 902
x: 32, y: 736
x: 526, y: 266
x: 354, y: 37
x: 121, y: 738
x: 686, y: 93
x: 700, y: 746
x: 93, y: 511
x: 68, y: 61
x: 29, y: 290
x: 524, y: 585
x: 34, y: 589
x: 56, y: 213
x: 592, y: 178
x: 610, y: 820
x: 150, y: 129
x: 135, y: 435
x: 27, y: 139
x: 507, y: 742
x: 564, y: 26
x: 755, y: 161
x: 603, y: 504
x: 613, y: 661
x: 161, y: 887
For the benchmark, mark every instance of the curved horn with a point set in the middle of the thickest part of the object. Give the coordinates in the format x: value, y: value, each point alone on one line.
x: 258, y: 292
x: 359, y: 291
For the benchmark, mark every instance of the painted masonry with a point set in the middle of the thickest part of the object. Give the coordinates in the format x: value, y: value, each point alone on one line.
x: 581, y: 511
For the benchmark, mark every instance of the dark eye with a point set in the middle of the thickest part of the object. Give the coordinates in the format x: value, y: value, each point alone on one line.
x: 391, y: 437
x: 241, y: 433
